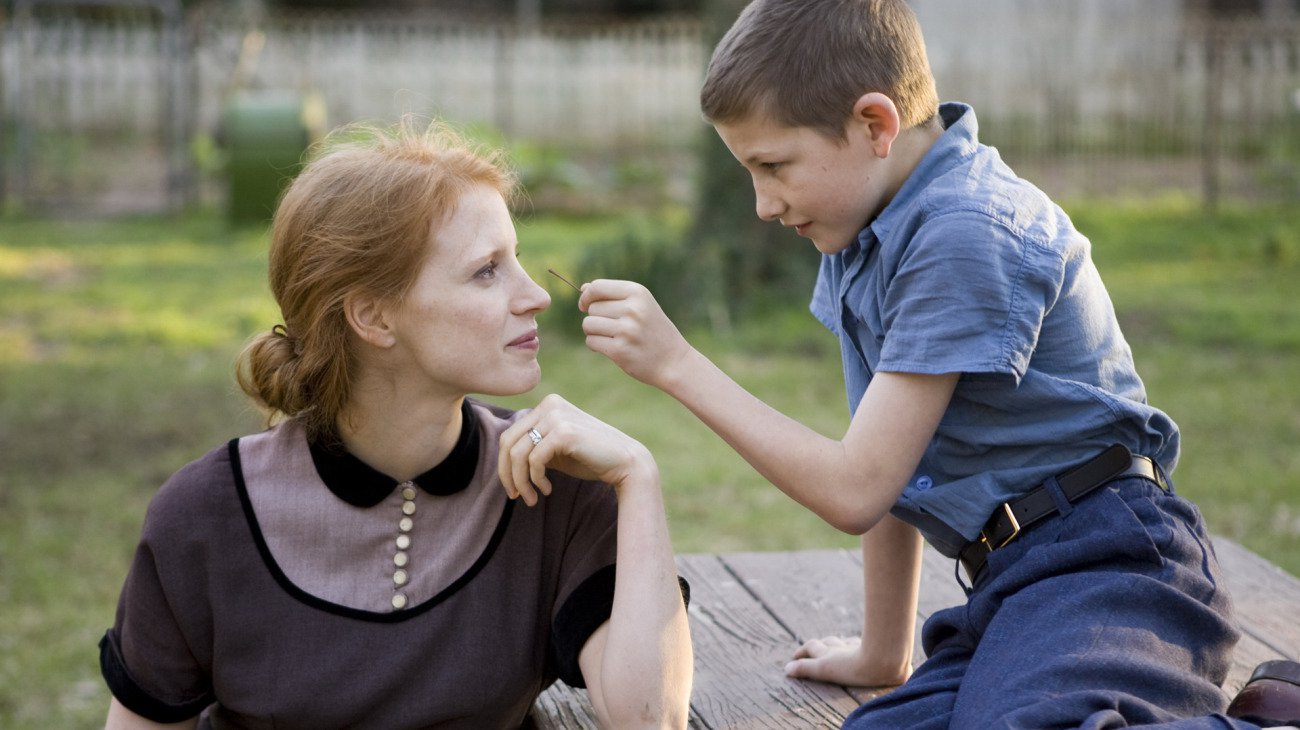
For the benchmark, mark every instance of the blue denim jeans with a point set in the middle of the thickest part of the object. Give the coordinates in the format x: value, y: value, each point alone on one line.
x: 1110, y: 616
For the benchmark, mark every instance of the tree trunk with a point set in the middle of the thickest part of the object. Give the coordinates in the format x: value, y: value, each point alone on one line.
x: 755, y: 261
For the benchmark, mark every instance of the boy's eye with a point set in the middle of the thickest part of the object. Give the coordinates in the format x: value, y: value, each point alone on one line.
x: 772, y: 166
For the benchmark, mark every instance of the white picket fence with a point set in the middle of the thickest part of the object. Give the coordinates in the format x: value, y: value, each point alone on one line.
x: 1108, y: 80
x: 603, y: 86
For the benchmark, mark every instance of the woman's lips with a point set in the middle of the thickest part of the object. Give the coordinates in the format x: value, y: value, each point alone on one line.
x: 528, y: 341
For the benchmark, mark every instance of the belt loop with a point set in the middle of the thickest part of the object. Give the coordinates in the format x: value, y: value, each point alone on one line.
x: 1058, y: 497
x: 956, y: 573
x: 1162, y: 477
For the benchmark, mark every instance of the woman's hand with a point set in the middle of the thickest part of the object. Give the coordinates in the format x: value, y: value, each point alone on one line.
x: 845, y: 661
x: 627, y: 325
x: 559, y: 435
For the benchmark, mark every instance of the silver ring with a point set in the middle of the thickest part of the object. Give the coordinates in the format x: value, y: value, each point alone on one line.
x: 535, y: 435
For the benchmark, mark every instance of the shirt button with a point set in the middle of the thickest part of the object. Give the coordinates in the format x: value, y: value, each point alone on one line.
x: 400, y: 560
x: 408, y: 492
x: 403, y: 542
x: 408, y: 507
x: 399, y: 601
x: 924, y: 483
x: 399, y: 577
x: 405, y: 524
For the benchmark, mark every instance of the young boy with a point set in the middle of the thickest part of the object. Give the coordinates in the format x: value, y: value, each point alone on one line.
x: 996, y: 408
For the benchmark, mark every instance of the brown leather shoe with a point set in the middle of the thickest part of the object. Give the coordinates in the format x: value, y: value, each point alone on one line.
x: 1271, y: 697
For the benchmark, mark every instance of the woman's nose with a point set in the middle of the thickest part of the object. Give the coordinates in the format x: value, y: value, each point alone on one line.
x: 533, y: 298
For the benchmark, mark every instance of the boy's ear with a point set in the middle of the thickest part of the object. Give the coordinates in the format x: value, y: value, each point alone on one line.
x: 875, y: 115
x: 367, y: 317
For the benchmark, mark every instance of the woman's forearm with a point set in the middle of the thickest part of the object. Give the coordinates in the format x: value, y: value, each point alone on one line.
x: 646, y: 665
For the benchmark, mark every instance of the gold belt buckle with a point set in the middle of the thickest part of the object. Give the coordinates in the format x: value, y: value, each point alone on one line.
x: 1015, y: 530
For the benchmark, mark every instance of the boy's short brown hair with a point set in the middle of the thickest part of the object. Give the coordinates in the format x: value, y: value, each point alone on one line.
x: 805, y: 62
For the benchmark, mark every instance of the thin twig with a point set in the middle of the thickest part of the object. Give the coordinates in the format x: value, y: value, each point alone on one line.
x: 566, y: 281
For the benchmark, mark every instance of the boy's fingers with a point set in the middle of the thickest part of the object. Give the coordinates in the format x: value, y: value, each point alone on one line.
x: 602, y: 346
x: 609, y: 308
x: 793, y: 668
x: 600, y: 327
x: 605, y: 289
x: 809, y: 649
x: 613, y: 288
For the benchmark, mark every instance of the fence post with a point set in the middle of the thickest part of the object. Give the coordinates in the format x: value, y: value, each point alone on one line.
x: 1215, y: 41
x: 174, y: 127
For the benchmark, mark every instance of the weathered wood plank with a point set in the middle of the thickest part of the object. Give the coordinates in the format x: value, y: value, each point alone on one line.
x: 1267, y: 601
x: 562, y: 707
x: 749, y: 611
x: 1267, y: 598
x: 819, y: 593
x: 813, y: 593
x: 739, y: 651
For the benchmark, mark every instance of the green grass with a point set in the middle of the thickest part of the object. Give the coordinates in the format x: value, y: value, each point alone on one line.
x: 117, y: 342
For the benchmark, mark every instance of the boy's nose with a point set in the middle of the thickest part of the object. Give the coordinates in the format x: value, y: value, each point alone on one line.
x: 768, y: 207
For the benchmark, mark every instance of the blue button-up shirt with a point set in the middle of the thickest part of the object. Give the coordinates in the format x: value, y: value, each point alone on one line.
x: 970, y: 269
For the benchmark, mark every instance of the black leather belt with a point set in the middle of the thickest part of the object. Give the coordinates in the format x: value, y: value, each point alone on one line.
x: 1016, y: 516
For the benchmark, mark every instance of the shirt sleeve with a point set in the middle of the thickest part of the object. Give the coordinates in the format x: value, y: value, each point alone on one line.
x: 145, y: 658
x: 586, y: 596
x: 969, y: 296
x: 586, y: 582
x: 587, y: 607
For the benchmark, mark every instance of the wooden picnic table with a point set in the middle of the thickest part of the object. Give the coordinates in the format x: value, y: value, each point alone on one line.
x: 749, y: 611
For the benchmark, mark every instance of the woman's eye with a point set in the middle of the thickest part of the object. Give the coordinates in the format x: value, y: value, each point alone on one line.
x: 772, y: 166
x: 487, y: 272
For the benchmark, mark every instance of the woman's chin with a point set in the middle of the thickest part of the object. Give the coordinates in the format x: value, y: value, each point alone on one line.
x: 517, y: 386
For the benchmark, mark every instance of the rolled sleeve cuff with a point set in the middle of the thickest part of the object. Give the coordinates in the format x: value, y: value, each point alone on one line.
x: 132, y: 696
x: 583, y: 612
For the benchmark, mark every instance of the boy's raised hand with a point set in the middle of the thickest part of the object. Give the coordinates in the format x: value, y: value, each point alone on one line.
x: 627, y: 325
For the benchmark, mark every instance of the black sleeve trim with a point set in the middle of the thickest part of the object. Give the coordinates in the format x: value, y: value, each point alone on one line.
x: 583, y: 612
x: 135, y: 699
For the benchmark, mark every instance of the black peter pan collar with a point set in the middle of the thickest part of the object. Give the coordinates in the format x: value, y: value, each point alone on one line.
x: 361, y: 485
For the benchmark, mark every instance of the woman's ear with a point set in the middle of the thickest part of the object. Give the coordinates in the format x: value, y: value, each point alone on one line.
x: 876, y: 116
x: 367, y: 317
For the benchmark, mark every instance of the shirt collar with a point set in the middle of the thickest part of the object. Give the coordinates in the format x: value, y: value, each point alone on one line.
x: 960, y: 140
x: 360, y: 485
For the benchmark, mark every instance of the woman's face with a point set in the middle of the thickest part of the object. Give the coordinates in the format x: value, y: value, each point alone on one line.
x: 468, y: 324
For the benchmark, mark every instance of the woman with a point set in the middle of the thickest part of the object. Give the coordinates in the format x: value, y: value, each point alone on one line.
x: 364, y: 562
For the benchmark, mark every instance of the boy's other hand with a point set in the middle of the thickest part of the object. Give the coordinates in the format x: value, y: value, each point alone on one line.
x: 845, y: 661
x: 627, y: 325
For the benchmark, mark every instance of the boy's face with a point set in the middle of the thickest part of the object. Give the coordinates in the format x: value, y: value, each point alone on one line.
x: 827, y: 191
